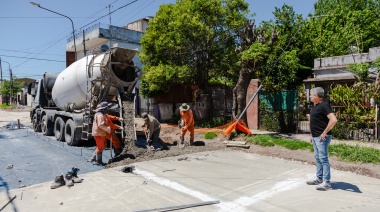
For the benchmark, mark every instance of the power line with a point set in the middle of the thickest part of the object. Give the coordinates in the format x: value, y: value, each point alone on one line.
x: 110, y: 13
x: 9, y: 50
x: 32, y: 58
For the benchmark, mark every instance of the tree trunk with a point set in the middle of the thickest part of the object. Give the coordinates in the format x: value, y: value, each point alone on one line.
x: 240, y: 93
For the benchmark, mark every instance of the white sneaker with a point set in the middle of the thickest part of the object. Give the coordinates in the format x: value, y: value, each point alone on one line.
x: 324, y: 186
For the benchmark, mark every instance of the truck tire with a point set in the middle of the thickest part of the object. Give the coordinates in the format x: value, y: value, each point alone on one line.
x: 45, y: 128
x: 36, y: 124
x: 70, y: 138
x: 59, y: 129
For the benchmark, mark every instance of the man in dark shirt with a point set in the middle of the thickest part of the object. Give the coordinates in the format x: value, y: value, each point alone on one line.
x: 322, y: 120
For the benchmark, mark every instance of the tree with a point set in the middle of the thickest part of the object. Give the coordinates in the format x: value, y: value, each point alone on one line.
x: 341, y: 27
x: 288, y: 64
x: 5, y: 87
x: 191, y: 42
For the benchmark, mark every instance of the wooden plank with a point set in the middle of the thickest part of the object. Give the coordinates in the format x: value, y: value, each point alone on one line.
x: 235, y: 142
x: 238, y: 145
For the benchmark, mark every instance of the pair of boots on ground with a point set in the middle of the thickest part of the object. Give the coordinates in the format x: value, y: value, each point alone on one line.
x: 97, y: 157
x: 70, y: 178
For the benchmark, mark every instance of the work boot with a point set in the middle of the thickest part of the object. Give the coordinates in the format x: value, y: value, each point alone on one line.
x: 182, y: 144
x: 118, y: 151
x: 191, y: 143
x: 93, y: 157
x: 150, y: 148
x: 69, y: 180
x: 99, y: 160
x: 58, y: 182
x: 74, y: 173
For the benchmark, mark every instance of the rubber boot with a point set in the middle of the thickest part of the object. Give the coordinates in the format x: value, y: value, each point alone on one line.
x: 118, y: 151
x: 182, y: 145
x: 93, y: 157
x: 99, y: 160
x: 191, y: 143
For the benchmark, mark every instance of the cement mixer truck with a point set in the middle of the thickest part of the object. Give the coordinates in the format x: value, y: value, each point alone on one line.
x: 64, y: 104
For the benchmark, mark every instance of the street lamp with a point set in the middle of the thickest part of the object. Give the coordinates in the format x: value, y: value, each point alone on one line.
x: 72, y: 24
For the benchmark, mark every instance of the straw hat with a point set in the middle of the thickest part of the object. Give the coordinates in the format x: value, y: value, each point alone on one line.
x: 102, y: 106
x: 184, y: 107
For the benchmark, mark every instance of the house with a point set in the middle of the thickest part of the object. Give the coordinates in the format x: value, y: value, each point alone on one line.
x: 100, y: 37
x: 22, y: 97
x: 330, y: 70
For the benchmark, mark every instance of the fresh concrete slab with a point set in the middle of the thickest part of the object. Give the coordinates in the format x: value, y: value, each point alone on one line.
x: 240, y: 181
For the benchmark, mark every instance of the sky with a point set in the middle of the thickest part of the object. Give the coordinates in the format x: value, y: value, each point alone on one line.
x: 33, y: 40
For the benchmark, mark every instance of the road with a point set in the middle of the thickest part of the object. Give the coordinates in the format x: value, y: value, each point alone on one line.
x: 37, y: 158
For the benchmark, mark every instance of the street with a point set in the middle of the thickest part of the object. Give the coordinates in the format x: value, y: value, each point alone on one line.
x: 37, y: 158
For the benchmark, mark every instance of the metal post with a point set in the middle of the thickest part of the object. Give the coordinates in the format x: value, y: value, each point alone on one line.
x: 376, y: 109
x: 72, y: 24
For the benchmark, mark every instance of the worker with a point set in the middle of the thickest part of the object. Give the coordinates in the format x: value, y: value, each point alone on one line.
x: 152, y: 128
x: 187, y: 123
x: 103, y: 129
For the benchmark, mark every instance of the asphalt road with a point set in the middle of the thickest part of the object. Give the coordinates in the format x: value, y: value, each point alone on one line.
x: 36, y: 158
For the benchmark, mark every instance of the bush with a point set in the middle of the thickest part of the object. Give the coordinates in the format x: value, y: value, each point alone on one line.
x: 214, y: 122
x: 210, y: 135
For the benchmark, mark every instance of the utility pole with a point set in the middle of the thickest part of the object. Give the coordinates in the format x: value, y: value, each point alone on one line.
x: 10, y: 76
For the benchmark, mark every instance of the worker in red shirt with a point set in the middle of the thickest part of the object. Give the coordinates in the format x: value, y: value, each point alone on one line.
x: 187, y: 123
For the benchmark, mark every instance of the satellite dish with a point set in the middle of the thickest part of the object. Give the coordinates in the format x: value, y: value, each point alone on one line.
x: 104, y: 48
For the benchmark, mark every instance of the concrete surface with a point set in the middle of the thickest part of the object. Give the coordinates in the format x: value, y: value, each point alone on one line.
x: 240, y: 181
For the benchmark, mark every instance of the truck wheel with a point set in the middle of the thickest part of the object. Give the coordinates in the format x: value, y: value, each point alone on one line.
x: 45, y: 129
x: 70, y: 138
x: 59, y: 129
x: 36, y: 125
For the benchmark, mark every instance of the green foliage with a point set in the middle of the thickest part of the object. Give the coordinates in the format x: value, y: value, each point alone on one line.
x: 276, y: 121
x: 214, y: 122
x: 6, y: 106
x: 339, y: 24
x: 361, y: 69
x: 267, y: 140
x: 288, y: 63
x: 355, y: 153
x: 262, y: 140
x: 342, y: 151
x: 191, y: 42
x: 5, y: 87
x: 351, y: 105
x: 210, y: 135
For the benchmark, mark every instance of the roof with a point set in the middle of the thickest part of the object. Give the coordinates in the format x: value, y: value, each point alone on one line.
x: 340, y: 79
x: 26, y: 80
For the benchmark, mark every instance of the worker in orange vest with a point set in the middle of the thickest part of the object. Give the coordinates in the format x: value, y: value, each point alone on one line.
x: 104, y: 129
x: 187, y: 123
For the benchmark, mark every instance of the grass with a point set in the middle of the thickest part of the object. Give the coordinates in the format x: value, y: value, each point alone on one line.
x: 355, y: 153
x: 343, y: 151
x: 210, y: 135
x: 6, y: 106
